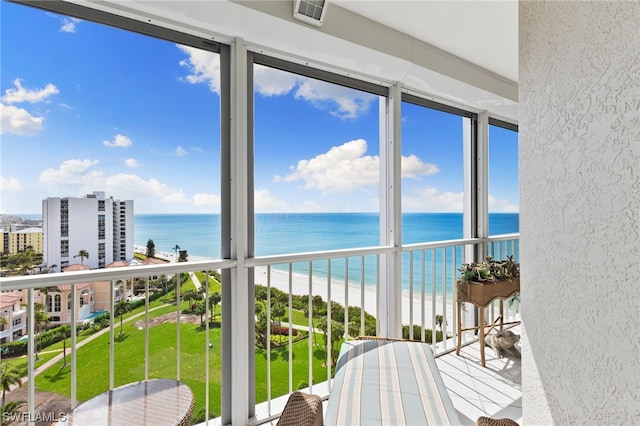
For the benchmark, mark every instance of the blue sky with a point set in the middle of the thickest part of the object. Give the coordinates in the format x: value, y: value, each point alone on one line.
x: 90, y: 108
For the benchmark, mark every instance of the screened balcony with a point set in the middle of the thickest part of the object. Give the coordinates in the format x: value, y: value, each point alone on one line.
x: 277, y: 370
x: 243, y: 377
x: 570, y: 84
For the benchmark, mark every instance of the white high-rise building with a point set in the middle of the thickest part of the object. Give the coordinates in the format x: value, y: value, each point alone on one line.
x: 101, y: 226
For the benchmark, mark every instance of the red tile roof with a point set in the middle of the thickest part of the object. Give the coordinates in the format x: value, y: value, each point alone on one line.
x: 8, y: 300
x: 67, y: 287
x: 117, y: 264
x: 75, y: 267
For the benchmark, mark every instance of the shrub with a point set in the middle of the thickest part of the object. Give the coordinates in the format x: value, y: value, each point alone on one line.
x: 417, y: 333
x: 283, y: 331
x: 14, y: 348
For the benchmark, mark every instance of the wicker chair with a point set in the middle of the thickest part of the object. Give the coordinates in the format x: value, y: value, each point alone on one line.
x: 302, y: 409
x: 488, y: 421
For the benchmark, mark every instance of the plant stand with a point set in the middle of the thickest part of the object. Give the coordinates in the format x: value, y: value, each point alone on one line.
x: 481, y: 296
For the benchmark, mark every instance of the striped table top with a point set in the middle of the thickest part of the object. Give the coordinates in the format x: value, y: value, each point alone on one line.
x: 382, y: 382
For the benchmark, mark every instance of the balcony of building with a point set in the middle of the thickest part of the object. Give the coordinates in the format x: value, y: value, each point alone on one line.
x: 578, y: 109
x: 274, y: 371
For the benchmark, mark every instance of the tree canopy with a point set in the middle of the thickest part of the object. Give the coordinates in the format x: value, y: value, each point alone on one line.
x: 151, y: 248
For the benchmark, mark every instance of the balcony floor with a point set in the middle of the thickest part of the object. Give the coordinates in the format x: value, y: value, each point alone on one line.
x: 494, y: 391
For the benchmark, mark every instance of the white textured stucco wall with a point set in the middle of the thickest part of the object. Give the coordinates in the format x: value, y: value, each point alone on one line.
x: 579, y: 100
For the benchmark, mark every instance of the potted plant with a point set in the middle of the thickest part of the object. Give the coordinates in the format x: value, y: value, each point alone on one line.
x: 490, y: 271
x: 482, y: 282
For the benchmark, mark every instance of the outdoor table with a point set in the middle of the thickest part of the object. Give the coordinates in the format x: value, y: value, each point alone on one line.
x: 388, y: 382
x: 149, y: 402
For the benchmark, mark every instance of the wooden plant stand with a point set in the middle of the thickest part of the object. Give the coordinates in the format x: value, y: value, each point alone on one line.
x: 481, y: 295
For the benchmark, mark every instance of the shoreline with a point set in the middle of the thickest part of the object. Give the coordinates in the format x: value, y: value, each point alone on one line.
x: 364, y: 296
x: 358, y: 295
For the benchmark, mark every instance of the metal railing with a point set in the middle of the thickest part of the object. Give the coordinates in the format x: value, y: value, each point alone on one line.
x: 322, y: 281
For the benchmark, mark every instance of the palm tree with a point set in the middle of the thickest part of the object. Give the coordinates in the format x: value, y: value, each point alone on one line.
x: 200, y: 310
x: 12, y: 407
x: 176, y: 248
x: 214, y: 299
x: 82, y: 254
x: 40, y: 320
x: 63, y: 333
x: 190, y: 295
x: 151, y: 248
x: 120, y: 309
x: 277, y: 311
x: 8, y: 376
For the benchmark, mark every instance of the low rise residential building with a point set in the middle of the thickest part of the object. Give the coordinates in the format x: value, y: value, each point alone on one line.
x: 13, y: 317
x: 16, y: 239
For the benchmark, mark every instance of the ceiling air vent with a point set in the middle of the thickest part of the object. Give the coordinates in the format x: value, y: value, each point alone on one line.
x: 310, y: 11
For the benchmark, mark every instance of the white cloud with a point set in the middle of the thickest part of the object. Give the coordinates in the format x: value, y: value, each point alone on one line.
x: 265, y: 202
x: 273, y: 82
x: 20, y: 94
x: 346, y: 168
x: 343, y: 168
x: 502, y: 206
x: 9, y: 184
x: 19, y: 121
x: 69, y: 24
x: 120, y: 141
x: 180, y: 151
x: 430, y: 199
x: 413, y: 167
x: 202, y: 66
x: 77, y: 177
x: 134, y: 187
x: 206, y: 200
x: 73, y: 172
x: 131, y: 162
x: 342, y: 102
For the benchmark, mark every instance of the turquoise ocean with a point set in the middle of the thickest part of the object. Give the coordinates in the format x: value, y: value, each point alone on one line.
x: 280, y: 233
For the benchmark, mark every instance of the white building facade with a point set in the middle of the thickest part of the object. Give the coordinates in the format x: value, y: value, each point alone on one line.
x: 99, y: 225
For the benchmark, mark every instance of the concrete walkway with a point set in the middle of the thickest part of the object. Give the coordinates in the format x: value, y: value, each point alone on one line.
x: 195, y: 280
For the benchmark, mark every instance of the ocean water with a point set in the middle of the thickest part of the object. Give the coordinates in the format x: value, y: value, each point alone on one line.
x: 199, y: 234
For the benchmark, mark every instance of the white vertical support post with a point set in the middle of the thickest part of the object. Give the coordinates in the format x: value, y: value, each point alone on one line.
x: 178, y: 301
x: 390, y: 300
x: 31, y: 352
x: 112, y: 308
x: 239, y: 235
x: 146, y: 327
x: 346, y: 298
x: 482, y: 188
x: 482, y: 176
x: 468, y: 211
x: 207, y: 356
x: 74, y: 349
x: 311, y: 328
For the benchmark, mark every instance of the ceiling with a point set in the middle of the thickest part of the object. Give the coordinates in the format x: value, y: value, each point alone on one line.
x: 482, y: 32
x: 464, y: 53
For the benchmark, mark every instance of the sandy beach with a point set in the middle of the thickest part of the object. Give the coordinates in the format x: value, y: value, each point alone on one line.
x: 357, y: 295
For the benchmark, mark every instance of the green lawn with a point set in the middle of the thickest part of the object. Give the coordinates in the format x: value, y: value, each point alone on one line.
x: 93, y: 363
x: 21, y: 363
